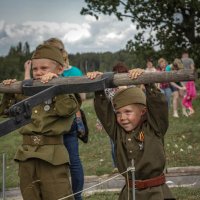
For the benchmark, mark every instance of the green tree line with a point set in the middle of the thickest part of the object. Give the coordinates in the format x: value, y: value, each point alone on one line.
x: 12, y: 65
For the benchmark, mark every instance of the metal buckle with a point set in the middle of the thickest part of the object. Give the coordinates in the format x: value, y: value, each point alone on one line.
x: 36, y: 139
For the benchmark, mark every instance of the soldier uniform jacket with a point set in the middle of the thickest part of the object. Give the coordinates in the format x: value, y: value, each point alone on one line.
x: 147, y: 151
x: 56, y: 119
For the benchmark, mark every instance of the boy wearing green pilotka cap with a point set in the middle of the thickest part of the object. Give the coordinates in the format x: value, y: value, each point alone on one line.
x: 137, y: 123
x: 43, y: 159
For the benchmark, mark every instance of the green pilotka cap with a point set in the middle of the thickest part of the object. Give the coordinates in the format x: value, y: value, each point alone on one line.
x: 49, y: 52
x: 129, y: 96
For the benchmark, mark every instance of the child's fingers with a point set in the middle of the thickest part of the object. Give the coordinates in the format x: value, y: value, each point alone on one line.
x: 47, y: 77
x: 89, y: 75
x: 13, y: 80
x: 93, y: 75
x: 134, y: 73
x: 27, y: 65
x: 9, y: 81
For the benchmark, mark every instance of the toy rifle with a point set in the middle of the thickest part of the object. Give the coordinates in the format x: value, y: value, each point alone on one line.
x: 20, y: 113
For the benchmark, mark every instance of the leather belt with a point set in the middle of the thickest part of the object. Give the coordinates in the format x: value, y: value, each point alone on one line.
x: 37, y: 140
x: 152, y: 182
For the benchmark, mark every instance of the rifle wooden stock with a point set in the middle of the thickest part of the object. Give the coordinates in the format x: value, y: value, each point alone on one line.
x: 118, y: 80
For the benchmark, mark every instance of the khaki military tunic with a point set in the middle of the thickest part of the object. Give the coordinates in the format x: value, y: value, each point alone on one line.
x: 56, y: 120
x: 147, y: 152
x: 42, y: 167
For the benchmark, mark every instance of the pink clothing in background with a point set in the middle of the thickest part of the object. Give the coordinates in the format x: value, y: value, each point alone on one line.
x: 190, y: 94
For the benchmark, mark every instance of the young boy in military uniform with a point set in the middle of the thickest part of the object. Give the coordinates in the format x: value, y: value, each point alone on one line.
x: 43, y: 159
x: 137, y: 125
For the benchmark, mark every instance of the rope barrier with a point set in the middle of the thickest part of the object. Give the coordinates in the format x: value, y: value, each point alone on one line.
x: 129, y: 169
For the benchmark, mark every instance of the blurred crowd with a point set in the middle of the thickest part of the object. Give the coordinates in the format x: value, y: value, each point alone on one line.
x: 177, y: 93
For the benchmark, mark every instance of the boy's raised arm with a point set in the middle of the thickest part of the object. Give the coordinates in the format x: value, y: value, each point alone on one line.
x: 157, y: 109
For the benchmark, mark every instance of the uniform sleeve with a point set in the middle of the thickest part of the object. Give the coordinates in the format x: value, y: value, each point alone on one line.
x: 66, y: 105
x: 157, y: 106
x: 105, y: 113
x: 7, y: 101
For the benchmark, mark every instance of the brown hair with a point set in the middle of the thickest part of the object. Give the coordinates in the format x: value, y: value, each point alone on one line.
x: 162, y: 60
x: 177, y: 64
x: 150, y: 60
x: 120, y: 67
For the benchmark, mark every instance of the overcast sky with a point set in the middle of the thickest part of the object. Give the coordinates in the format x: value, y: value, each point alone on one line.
x: 37, y: 20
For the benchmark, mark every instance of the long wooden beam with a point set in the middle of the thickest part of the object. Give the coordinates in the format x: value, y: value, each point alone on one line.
x: 118, y: 80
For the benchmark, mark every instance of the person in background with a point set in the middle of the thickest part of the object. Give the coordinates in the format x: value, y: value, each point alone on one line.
x: 43, y: 159
x: 188, y: 62
x: 165, y: 87
x: 71, y: 139
x: 189, y: 96
x: 137, y: 126
x: 149, y: 65
x: 178, y: 90
x: 149, y: 68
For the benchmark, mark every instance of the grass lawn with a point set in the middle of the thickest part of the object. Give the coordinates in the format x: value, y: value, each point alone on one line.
x: 179, y: 193
x: 181, y: 144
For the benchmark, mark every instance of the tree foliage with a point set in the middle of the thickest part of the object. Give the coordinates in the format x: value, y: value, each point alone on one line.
x: 12, y: 65
x: 171, y: 25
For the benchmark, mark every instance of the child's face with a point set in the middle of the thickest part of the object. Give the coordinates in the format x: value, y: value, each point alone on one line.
x: 162, y: 64
x: 149, y: 64
x: 129, y: 117
x: 43, y: 66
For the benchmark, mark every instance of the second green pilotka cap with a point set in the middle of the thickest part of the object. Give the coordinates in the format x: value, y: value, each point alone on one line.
x: 129, y: 96
x: 49, y: 52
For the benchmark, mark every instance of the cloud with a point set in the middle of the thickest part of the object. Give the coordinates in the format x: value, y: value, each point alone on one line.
x: 106, y: 34
x: 76, y: 33
x: 2, y: 31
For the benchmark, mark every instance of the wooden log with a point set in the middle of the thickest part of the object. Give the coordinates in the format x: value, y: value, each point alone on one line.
x: 118, y: 80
